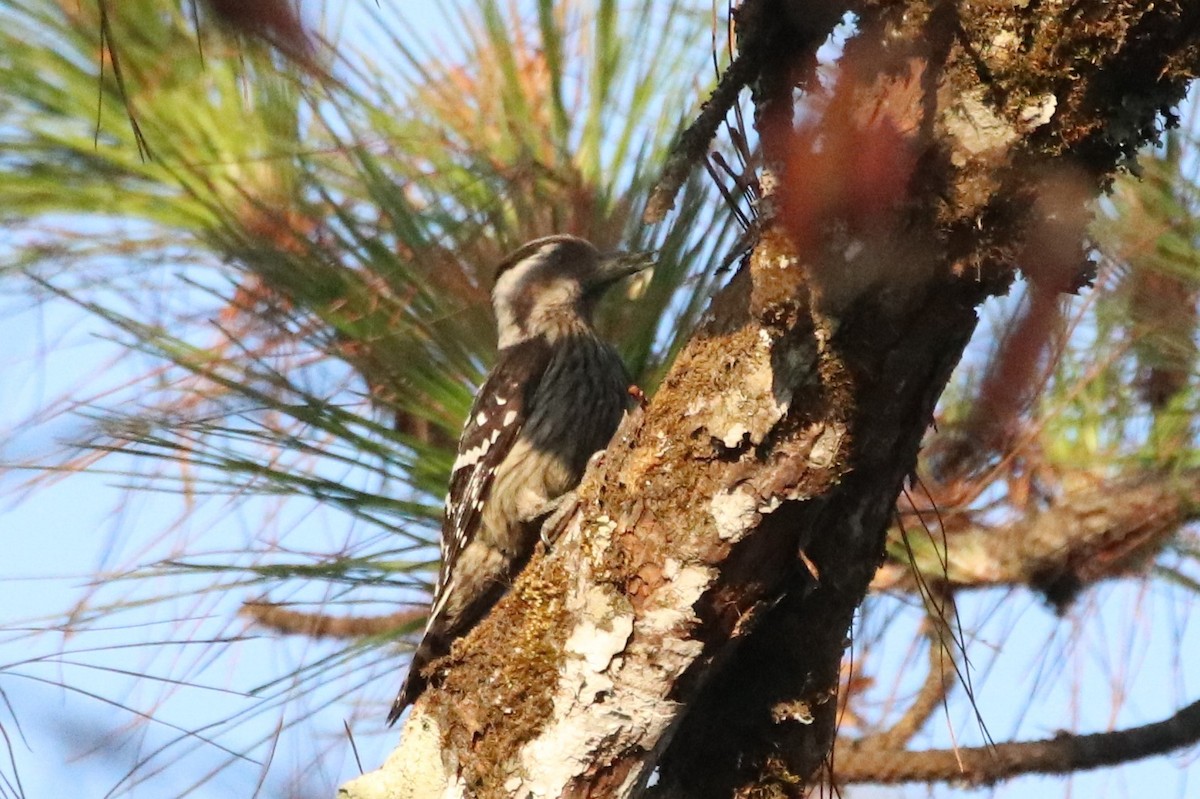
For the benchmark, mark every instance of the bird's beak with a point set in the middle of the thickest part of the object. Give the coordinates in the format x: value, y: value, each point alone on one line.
x: 617, y: 265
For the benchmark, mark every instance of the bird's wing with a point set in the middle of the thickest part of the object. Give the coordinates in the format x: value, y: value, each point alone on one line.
x: 497, y: 416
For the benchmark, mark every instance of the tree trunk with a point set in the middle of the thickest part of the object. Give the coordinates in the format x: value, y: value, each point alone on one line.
x: 692, y: 615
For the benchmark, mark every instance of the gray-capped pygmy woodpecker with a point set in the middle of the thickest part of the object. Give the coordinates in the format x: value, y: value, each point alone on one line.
x: 553, y: 399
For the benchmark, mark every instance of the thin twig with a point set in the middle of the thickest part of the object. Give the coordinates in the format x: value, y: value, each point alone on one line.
x: 693, y: 143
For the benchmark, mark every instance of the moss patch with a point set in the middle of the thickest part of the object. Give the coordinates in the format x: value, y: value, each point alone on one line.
x: 499, y: 691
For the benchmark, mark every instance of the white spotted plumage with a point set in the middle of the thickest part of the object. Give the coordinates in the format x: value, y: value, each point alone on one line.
x: 553, y: 398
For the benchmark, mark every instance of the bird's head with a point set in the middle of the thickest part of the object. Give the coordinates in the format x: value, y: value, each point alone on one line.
x: 550, y: 286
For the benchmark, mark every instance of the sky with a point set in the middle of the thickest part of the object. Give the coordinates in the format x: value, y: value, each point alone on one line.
x: 81, y: 743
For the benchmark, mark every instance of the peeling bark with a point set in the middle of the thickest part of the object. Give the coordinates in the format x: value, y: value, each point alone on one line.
x: 676, y: 624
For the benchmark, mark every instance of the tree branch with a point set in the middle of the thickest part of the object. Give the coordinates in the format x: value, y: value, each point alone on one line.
x: 1063, y: 754
x: 282, y: 619
x: 757, y: 22
x: 693, y: 142
x: 1095, y: 530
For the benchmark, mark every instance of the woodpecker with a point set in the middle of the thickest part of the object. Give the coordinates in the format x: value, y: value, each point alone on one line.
x: 554, y: 398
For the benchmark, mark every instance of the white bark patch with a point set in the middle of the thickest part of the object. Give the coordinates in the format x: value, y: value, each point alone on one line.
x: 1038, y: 111
x: 750, y: 409
x: 672, y: 603
x: 734, y: 513
x: 413, y: 770
x: 633, y: 710
x: 734, y: 435
x: 560, y: 753
x: 600, y: 533
x: 597, y: 645
x: 1006, y: 41
x: 771, y: 505
x: 825, y: 448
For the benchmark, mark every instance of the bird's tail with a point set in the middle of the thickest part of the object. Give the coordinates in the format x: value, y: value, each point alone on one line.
x: 416, y: 681
x: 444, y: 626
